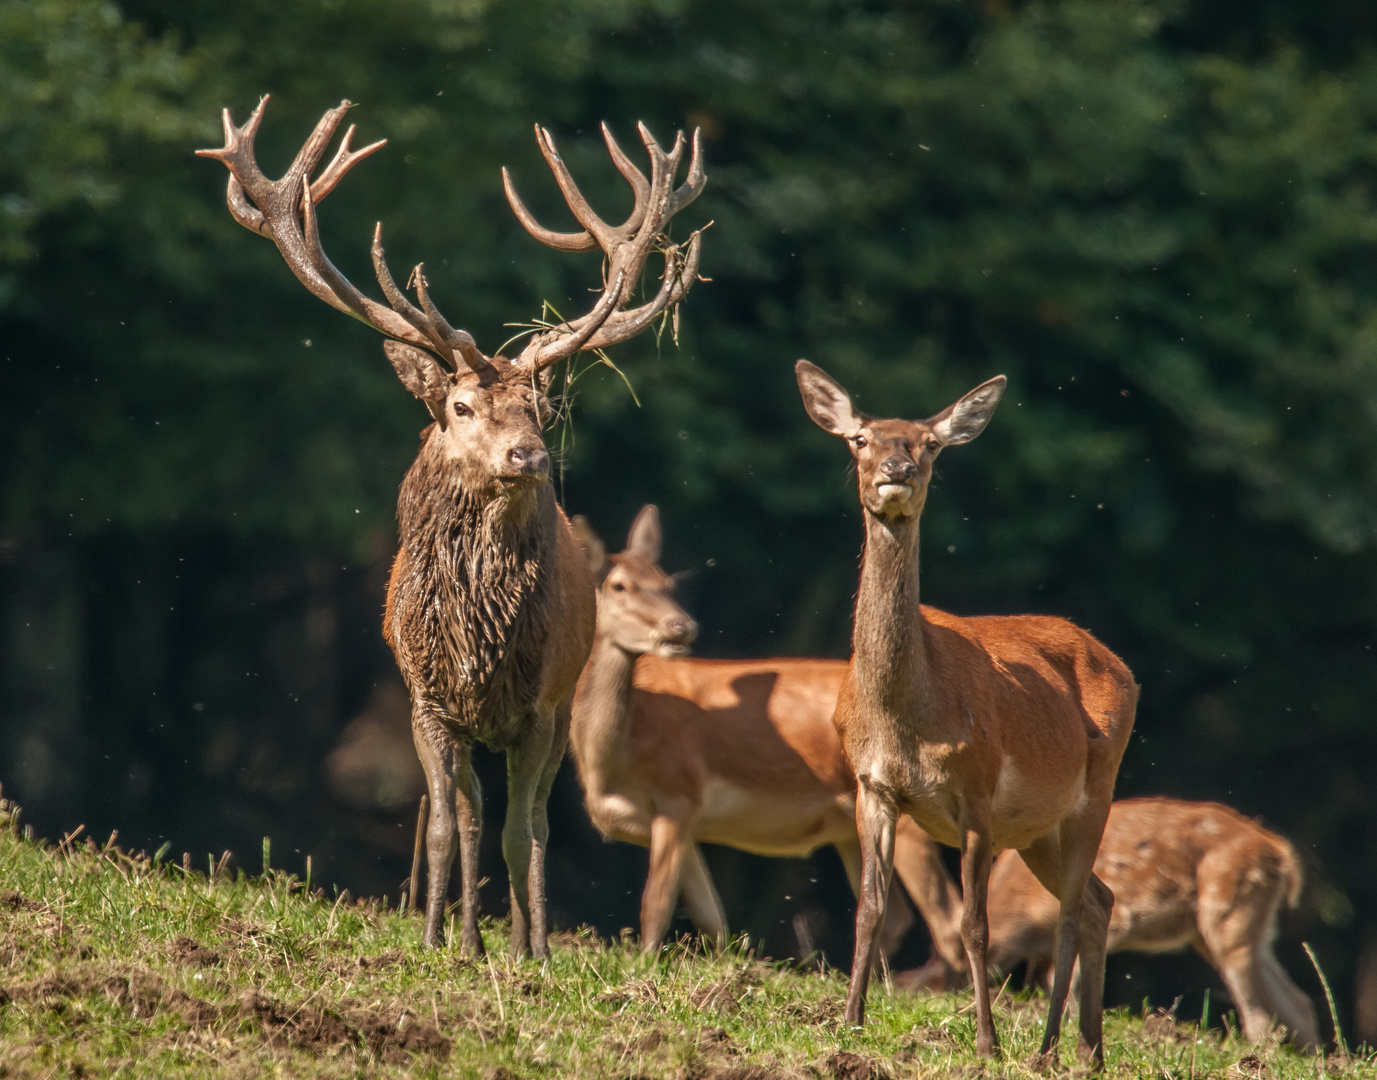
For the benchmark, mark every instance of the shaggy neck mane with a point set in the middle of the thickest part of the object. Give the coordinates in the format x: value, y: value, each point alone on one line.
x: 470, y: 609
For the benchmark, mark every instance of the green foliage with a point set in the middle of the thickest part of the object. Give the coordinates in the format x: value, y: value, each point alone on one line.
x: 111, y: 962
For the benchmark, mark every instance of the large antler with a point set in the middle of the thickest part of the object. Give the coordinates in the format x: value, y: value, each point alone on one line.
x: 284, y: 211
x: 626, y: 246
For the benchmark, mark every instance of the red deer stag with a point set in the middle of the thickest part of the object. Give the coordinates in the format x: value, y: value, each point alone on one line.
x: 674, y: 751
x: 490, y: 608
x: 1182, y: 873
x: 988, y: 732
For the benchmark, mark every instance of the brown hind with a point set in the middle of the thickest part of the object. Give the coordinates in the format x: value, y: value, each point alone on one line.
x: 673, y: 751
x: 1195, y: 874
x: 989, y: 732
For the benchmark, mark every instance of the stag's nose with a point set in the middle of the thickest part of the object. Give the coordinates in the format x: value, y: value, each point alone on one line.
x: 897, y: 468
x: 529, y: 460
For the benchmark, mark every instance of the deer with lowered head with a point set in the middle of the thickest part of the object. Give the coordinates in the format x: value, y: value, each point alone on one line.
x: 490, y: 608
x: 993, y: 732
x: 673, y: 751
x: 1195, y: 874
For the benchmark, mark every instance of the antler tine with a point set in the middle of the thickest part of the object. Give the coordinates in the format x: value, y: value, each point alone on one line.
x: 586, y: 216
x: 626, y: 247
x: 344, y: 160
x: 284, y: 211
x: 460, y: 342
x: 445, y: 340
x: 579, y: 241
x: 541, y: 356
x: 680, y: 273
x: 640, y: 186
x: 694, y: 183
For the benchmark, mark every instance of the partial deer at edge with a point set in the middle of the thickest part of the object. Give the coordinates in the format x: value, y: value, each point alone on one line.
x: 988, y: 732
x: 1194, y: 874
x: 490, y: 607
x: 674, y: 751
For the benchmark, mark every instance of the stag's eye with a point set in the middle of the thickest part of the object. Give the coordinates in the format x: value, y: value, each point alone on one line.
x: 860, y: 441
x: 460, y: 409
x: 617, y: 586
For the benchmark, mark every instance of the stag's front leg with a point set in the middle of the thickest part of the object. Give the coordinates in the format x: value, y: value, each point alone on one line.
x: 875, y: 818
x: 526, y: 762
x: 540, y: 831
x: 468, y: 804
x: 438, y: 752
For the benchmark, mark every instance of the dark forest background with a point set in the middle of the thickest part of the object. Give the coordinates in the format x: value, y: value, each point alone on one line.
x: 1157, y: 218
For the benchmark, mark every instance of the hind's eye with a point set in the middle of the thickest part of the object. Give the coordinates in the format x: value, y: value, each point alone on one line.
x: 460, y: 409
x: 617, y: 586
x: 860, y: 441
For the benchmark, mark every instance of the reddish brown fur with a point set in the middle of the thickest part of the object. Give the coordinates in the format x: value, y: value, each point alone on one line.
x: 988, y: 732
x: 1183, y: 874
x: 678, y: 751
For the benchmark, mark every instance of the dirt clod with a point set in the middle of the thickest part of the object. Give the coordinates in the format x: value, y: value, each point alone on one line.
x: 844, y: 1065
x: 192, y: 953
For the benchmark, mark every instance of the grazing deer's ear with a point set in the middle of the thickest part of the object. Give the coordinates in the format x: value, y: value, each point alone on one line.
x: 420, y: 373
x: 594, y: 550
x: 645, y: 538
x: 963, y: 421
x: 827, y: 403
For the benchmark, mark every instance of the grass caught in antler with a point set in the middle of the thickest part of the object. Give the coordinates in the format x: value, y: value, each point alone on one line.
x: 111, y: 961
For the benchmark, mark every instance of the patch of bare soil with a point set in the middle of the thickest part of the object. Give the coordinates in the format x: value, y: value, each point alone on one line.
x: 844, y: 1065
x: 816, y: 1013
x: 192, y: 953
x: 1163, y: 1026
x: 389, y: 1036
x: 1250, y: 1066
x: 14, y: 901
x: 638, y: 991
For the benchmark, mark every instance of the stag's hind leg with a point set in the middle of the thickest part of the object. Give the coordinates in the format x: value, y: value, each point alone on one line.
x: 540, y: 831
x: 526, y: 763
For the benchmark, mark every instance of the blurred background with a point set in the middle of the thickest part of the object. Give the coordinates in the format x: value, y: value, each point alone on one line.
x: 1158, y: 219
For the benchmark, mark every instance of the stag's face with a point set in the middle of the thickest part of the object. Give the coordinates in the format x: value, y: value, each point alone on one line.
x: 488, y: 422
x: 491, y: 430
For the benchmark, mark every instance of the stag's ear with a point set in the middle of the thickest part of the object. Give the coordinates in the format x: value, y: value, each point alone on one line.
x: 645, y: 538
x: 420, y: 373
x: 594, y: 550
x: 827, y: 403
x: 963, y: 421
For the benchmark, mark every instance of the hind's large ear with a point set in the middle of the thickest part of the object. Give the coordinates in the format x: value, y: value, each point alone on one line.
x: 645, y: 538
x: 963, y: 420
x: 828, y: 404
x: 594, y: 550
x: 422, y: 374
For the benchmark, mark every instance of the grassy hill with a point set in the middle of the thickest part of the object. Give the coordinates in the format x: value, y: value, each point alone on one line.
x: 118, y: 964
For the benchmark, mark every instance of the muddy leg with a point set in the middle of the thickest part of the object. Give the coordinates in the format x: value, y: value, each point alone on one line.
x: 439, y: 753
x: 875, y: 828
x: 540, y: 832
x: 526, y: 762
x: 468, y: 804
